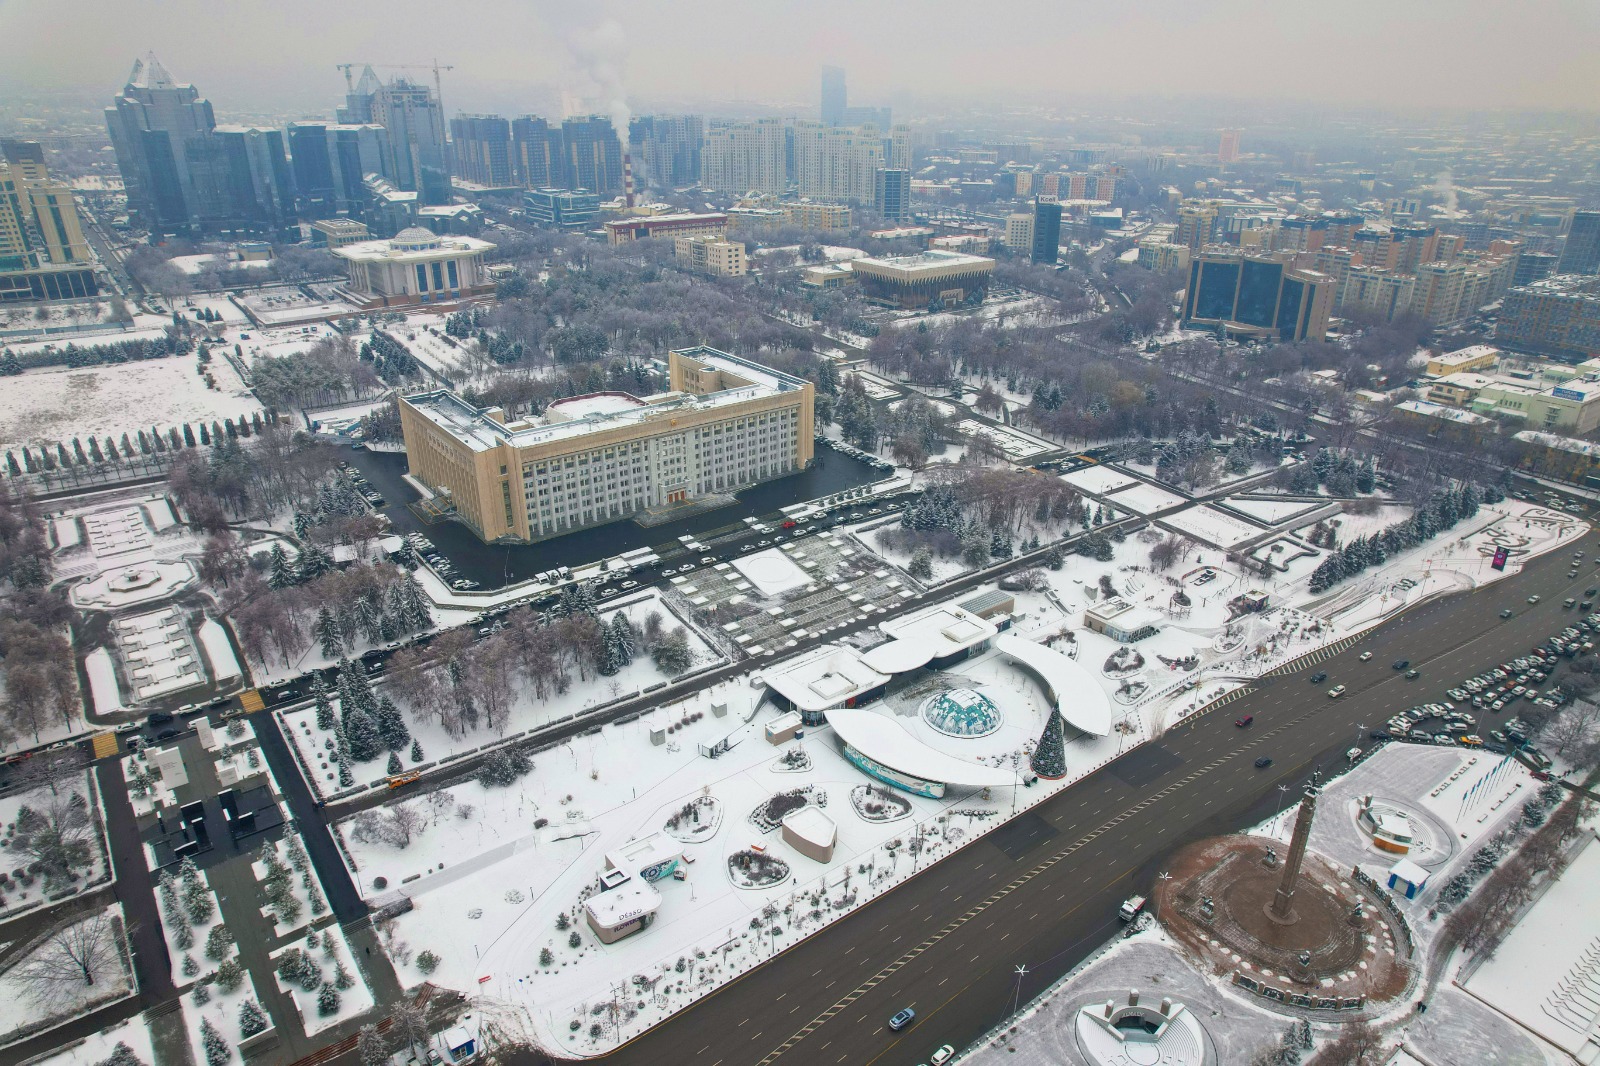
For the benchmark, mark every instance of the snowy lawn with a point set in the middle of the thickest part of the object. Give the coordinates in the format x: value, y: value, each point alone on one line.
x: 294, y: 897
x: 1211, y: 526
x: 190, y: 919
x: 1098, y: 480
x: 69, y: 812
x: 96, y: 1048
x: 213, y: 1005
x: 326, y: 986
x: 1270, y: 512
x: 58, y: 404
x: 29, y: 1006
x: 1143, y: 499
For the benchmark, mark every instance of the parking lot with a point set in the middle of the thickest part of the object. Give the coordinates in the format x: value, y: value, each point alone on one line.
x: 840, y: 582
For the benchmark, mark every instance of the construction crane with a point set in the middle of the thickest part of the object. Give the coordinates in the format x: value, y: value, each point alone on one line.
x: 436, y: 67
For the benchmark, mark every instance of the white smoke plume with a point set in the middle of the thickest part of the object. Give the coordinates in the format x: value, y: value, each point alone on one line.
x: 1444, y: 185
x: 602, y: 54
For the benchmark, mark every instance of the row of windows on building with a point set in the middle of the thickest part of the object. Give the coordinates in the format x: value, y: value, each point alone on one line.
x: 579, y: 490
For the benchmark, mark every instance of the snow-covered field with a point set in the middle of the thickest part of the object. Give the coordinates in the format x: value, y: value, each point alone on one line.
x: 332, y: 955
x: 97, y: 1047
x: 528, y: 712
x: 23, y: 1011
x: 221, y: 1009
x: 58, y: 404
x: 1144, y: 499
x: 1542, y: 976
x: 56, y: 805
x: 1270, y: 512
x: 1098, y: 480
x: 1211, y: 526
x: 1013, y: 442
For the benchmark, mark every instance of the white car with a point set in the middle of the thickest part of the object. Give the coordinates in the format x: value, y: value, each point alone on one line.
x: 1366, y: 656
x: 1335, y: 692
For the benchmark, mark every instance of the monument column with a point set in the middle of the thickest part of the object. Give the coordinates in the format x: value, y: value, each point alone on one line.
x: 1281, y: 909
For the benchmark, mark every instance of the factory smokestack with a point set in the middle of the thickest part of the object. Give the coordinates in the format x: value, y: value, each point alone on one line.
x: 627, y: 179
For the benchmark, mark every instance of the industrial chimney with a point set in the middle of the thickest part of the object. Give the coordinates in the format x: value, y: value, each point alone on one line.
x: 627, y: 179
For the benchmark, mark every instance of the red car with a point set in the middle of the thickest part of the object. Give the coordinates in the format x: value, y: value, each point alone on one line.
x: 790, y: 524
x: 1245, y: 721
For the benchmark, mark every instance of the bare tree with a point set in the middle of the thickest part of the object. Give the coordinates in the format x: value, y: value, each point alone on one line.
x: 72, y: 957
x: 405, y: 822
x: 1571, y: 729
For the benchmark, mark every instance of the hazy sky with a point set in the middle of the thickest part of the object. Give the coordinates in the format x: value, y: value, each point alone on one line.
x: 249, y: 55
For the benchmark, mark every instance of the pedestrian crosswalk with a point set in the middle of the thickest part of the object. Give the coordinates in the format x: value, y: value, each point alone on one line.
x: 1327, y: 651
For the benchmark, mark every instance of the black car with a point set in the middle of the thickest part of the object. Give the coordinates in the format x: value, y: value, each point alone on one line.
x: 159, y: 718
x: 1401, y: 664
x: 1319, y: 677
x: 1378, y: 734
x: 166, y: 734
x: 1263, y: 762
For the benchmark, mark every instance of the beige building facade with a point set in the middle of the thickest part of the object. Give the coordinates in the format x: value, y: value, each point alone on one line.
x: 726, y: 424
x: 711, y: 255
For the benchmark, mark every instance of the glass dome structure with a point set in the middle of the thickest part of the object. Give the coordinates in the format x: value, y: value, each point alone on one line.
x: 962, y: 712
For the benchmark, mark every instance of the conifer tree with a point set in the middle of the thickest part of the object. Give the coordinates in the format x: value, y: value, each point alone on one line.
x: 319, y: 695
x: 391, y: 725
x: 326, y: 631
x: 361, y: 735
x: 216, y: 1047
x: 1049, y: 759
x: 252, y: 1019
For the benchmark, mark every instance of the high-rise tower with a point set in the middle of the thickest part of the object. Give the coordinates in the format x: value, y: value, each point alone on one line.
x: 157, y: 126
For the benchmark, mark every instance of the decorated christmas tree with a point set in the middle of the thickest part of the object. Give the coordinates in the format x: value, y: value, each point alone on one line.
x: 1050, y: 755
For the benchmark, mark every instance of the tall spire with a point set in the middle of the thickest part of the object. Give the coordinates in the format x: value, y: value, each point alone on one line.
x: 148, y: 73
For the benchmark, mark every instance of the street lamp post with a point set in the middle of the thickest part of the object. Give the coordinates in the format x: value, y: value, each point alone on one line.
x: 1161, y: 886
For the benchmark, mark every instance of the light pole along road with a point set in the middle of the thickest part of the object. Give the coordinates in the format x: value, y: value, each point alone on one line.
x: 1043, y: 889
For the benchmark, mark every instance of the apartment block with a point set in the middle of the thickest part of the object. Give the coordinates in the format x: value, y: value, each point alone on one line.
x: 711, y: 255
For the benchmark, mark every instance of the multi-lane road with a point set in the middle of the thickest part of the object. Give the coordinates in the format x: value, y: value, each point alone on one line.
x: 1042, y: 891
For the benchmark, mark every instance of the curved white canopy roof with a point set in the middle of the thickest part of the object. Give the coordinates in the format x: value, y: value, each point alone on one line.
x: 882, y: 739
x: 1083, y: 704
x: 898, y: 656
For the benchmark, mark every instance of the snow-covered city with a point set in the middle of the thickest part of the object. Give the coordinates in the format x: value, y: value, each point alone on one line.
x: 919, y: 581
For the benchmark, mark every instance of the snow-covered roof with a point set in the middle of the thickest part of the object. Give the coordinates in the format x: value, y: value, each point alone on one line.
x: 1409, y: 871
x: 823, y: 678
x: 632, y: 900
x: 898, y: 656
x: 944, y: 629
x: 883, y: 740
x: 811, y: 825
x: 1171, y: 1038
x: 1080, y: 700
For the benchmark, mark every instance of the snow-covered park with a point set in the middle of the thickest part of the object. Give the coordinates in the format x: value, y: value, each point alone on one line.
x: 430, y: 739
x: 58, y: 403
x: 499, y: 872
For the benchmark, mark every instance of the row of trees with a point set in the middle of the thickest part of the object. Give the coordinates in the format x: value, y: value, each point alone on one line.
x: 72, y: 354
x: 40, y: 682
x: 135, y: 446
x: 1448, y: 507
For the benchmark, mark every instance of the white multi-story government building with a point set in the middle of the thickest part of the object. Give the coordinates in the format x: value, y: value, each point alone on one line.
x: 726, y: 424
